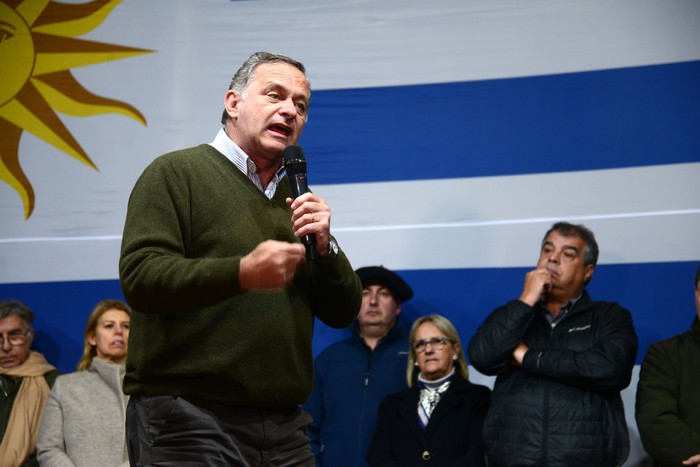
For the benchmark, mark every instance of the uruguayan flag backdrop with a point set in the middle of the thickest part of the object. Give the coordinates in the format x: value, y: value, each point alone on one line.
x: 446, y: 136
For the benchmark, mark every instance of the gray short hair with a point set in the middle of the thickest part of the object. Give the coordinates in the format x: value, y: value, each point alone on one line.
x: 16, y: 308
x: 245, y: 73
x: 565, y: 229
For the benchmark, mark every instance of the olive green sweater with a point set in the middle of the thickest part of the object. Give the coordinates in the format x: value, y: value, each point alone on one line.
x: 192, y: 216
x: 668, y: 407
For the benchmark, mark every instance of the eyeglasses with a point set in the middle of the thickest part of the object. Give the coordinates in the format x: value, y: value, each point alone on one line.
x: 15, y: 338
x: 437, y: 343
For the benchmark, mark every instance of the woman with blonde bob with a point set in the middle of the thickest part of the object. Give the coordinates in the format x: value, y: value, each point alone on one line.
x: 438, y: 419
x: 83, y: 424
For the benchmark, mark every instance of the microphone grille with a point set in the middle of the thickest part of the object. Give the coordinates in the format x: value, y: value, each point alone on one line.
x: 294, y: 160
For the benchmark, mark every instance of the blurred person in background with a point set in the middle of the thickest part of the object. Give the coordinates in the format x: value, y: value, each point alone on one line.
x: 83, y: 422
x: 668, y: 396
x: 438, y: 420
x: 353, y: 376
x: 25, y: 382
x: 561, y: 361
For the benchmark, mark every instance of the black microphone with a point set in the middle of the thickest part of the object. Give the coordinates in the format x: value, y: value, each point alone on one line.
x: 295, y: 164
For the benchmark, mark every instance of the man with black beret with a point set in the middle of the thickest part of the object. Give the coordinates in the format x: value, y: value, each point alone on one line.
x: 353, y: 376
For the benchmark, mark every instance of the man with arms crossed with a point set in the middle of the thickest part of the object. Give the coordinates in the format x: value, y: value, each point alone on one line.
x: 561, y: 359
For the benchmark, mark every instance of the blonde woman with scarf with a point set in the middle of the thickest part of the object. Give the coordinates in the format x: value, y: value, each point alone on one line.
x: 438, y: 420
x: 25, y: 383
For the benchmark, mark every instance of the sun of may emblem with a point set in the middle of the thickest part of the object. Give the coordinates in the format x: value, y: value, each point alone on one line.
x: 38, y: 47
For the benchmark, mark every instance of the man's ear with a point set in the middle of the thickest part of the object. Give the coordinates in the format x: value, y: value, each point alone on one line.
x: 588, y: 273
x: 231, y: 101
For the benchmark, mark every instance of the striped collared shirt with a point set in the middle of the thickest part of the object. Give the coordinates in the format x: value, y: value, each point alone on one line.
x: 245, y: 164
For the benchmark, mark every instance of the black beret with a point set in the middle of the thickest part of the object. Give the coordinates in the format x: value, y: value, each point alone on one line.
x: 399, y: 288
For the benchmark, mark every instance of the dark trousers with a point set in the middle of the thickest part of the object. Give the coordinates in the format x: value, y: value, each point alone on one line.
x: 172, y: 431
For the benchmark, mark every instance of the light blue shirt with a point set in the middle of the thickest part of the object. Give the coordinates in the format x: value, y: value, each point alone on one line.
x: 245, y: 164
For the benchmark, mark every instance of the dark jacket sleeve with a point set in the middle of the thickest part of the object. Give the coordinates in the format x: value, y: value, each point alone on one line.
x: 380, y: 452
x: 665, y: 435
x: 604, y: 366
x: 491, y: 348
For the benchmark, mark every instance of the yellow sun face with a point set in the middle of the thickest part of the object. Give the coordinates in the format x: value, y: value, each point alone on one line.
x: 37, y: 50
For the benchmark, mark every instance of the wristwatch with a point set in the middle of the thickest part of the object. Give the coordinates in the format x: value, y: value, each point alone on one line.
x: 332, y: 249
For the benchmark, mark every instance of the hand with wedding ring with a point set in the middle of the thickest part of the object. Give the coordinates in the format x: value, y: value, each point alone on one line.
x: 311, y: 215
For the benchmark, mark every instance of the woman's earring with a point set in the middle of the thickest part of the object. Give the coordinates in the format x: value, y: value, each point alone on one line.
x: 454, y: 357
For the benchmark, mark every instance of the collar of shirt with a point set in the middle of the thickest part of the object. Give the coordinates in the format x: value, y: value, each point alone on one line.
x: 562, y: 312
x: 245, y: 164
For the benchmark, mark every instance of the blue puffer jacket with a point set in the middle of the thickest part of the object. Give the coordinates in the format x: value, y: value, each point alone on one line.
x: 350, y: 382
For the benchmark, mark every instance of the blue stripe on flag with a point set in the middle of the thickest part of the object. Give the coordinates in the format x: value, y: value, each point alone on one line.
x: 579, y: 121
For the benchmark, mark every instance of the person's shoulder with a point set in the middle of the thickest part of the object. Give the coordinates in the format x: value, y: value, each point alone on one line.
x: 51, y: 377
x: 481, y: 389
x: 602, y: 305
x: 603, y: 308
x: 183, y: 164
x: 397, y: 339
x: 185, y: 155
x: 402, y: 327
x: 72, y: 376
x: 507, y: 310
x: 482, y: 394
x: 399, y: 396
x: 337, y: 349
x: 673, y: 342
x: 70, y: 379
x: 468, y: 386
x: 585, y: 301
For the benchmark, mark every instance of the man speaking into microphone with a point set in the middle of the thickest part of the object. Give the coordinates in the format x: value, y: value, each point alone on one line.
x: 223, y: 292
